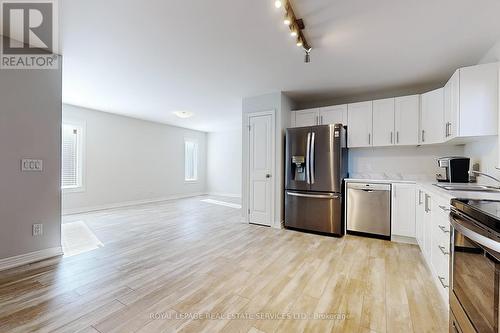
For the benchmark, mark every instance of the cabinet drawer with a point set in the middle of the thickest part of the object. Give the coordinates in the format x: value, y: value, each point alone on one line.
x: 441, y: 209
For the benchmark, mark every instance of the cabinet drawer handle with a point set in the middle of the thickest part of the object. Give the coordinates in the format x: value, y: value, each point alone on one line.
x: 441, y: 279
x: 444, y: 208
x: 443, y: 229
x: 443, y: 250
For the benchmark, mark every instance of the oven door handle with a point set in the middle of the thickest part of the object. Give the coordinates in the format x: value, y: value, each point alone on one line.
x: 475, y: 234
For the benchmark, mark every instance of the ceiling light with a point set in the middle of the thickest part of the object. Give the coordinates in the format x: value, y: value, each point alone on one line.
x: 277, y: 4
x: 287, y: 21
x: 183, y: 114
x: 299, y: 42
x: 293, y: 33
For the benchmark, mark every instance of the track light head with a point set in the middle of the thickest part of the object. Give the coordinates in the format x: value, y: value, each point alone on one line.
x: 278, y: 4
x: 307, y: 58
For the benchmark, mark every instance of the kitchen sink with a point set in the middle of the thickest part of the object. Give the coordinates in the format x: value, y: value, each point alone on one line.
x: 470, y: 188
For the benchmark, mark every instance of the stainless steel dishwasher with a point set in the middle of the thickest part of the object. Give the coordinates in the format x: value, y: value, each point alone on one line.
x: 369, y: 209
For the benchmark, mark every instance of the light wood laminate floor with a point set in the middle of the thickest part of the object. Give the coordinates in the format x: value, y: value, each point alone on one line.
x: 169, y: 266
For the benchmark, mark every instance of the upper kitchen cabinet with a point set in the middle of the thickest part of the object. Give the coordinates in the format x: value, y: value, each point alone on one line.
x: 451, y: 105
x: 320, y: 116
x: 333, y: 115
x: 383, y: 122
x: 302, y: 118
x: 406, y: 119
x: 432, y: 117
x: 471, y: 102
x: 360, y: 120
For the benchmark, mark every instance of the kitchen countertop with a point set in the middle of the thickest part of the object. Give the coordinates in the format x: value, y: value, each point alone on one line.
x: 428, y: 186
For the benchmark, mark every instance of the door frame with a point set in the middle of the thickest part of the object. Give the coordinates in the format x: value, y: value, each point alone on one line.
x: 250, y: 115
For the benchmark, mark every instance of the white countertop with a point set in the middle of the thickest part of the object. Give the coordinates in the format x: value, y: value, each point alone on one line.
x: 428, y: 186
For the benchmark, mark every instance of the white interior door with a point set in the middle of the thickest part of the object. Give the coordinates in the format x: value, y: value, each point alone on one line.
x: 261, y: 143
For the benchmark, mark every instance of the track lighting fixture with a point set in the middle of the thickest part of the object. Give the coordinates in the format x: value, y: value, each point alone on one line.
x: 296, y: 26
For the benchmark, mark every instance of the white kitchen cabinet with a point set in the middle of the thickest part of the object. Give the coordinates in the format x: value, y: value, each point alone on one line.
x: 451, y: 105
x: 427, y: 226
x: 433, y: 236
x: 432, y: 117
x: 406, y: 120
x: 419, y: 217
x: 383, y: 122
x: 320, y: 116
x: 334, y: 115
x: 403, y: 210
x: 360, y: 119
x: 302, y: 118
x: 478, y: 104
x: 471, y: 102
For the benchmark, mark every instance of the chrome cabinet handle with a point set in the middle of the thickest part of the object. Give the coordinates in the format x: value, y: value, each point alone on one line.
x: 420, y: 202
x: 391, y: 137
x: 397, y: 137
x: 441, y: 279
x: 423, y: 135
x: 443, y: 250
x: 321, y: 120
x: 444, y: 208
x: 369, y: 138
x: 443, y: 229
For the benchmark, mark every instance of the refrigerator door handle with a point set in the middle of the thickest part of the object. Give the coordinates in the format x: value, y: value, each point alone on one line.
x: 308, y: 162
x: 314, y: 196
x: 311, y: 162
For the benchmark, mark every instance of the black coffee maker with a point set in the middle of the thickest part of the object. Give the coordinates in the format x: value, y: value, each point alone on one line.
x: 456, y: 169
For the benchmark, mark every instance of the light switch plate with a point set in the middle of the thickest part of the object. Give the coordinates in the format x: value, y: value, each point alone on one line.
x: 31, y: 165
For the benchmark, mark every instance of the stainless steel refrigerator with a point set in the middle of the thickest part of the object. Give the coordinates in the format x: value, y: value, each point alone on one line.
x: 316, y: 166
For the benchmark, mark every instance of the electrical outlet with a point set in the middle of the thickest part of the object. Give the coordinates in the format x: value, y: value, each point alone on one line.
x: 37, y: 230
x: 31, y: 165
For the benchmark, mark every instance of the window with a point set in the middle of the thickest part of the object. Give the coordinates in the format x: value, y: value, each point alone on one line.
x: 72, y: 157
x: 191, y: 161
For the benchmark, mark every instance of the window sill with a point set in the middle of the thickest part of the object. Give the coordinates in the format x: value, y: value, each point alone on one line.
x: 68, y: 190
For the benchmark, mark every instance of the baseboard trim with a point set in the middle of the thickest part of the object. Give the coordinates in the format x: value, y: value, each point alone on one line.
x: 404, y: 239
x: 229, y: 195
x: 29, y: 258
x: 128, y: 203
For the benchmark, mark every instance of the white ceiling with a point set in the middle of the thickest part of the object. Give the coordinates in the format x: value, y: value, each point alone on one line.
x: 149, y: 58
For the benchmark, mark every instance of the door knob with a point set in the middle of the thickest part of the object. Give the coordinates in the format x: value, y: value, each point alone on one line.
x: 268, y: 176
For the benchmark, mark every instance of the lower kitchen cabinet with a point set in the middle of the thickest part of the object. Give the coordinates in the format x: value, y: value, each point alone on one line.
x: 403, y: 210
x: 433, y: 237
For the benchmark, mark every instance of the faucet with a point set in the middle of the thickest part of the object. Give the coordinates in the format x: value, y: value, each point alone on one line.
x: 478, y: 173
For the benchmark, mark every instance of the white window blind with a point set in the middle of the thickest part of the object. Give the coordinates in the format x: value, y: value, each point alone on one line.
x: 71, y: 157
x: 191, y: 161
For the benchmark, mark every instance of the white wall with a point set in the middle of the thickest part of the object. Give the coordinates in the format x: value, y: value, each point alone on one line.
x: 129, y: 160
x: 30, y: 127
x: 412, y: 163
x: 224, y: 163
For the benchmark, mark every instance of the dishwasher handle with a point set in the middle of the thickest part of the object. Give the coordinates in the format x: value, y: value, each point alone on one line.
x: 369, y: 188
